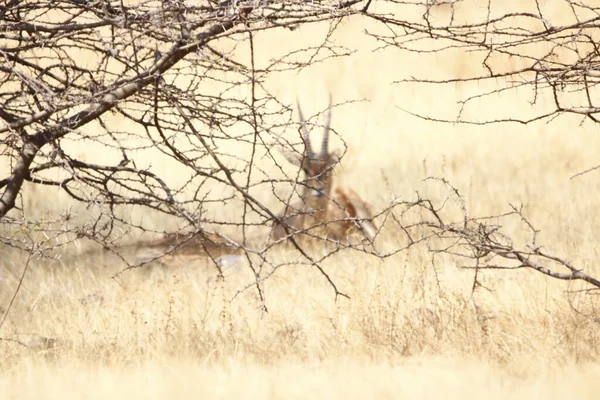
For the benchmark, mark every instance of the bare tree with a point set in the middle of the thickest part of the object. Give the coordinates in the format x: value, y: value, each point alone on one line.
x: 86, y: 86
x: 91, y: 90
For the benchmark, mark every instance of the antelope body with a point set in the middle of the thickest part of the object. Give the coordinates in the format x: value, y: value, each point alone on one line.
x: 183, y: 246
x: 188, y: 244
x: 335, y: 215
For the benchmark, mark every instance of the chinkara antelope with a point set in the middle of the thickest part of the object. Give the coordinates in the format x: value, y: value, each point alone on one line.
x: 320, y: 212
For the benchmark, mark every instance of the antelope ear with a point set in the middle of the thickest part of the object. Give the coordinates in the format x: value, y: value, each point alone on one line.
x: 335, y: 156
x: 292, y: 156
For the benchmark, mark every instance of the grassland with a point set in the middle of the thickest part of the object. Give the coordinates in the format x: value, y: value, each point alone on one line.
x: 411, y: 329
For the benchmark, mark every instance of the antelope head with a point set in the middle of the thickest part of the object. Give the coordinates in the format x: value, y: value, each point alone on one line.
x: 317, y: 166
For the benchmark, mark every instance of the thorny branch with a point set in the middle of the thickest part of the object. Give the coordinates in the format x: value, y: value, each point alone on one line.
x: 547, y: 49
x: 484, y: 241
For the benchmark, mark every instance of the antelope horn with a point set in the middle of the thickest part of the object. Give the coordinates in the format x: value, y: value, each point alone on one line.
x: 305, y: 135
x: 325, y: 144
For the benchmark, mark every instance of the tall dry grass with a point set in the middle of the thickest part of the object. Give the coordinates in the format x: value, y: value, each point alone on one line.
x: 411, y: 328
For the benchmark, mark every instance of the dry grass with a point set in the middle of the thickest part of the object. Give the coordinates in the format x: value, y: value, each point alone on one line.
x: 411, y: 329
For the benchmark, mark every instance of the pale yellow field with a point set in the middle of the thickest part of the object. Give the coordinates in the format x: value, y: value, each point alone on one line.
x: 410, y: 330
